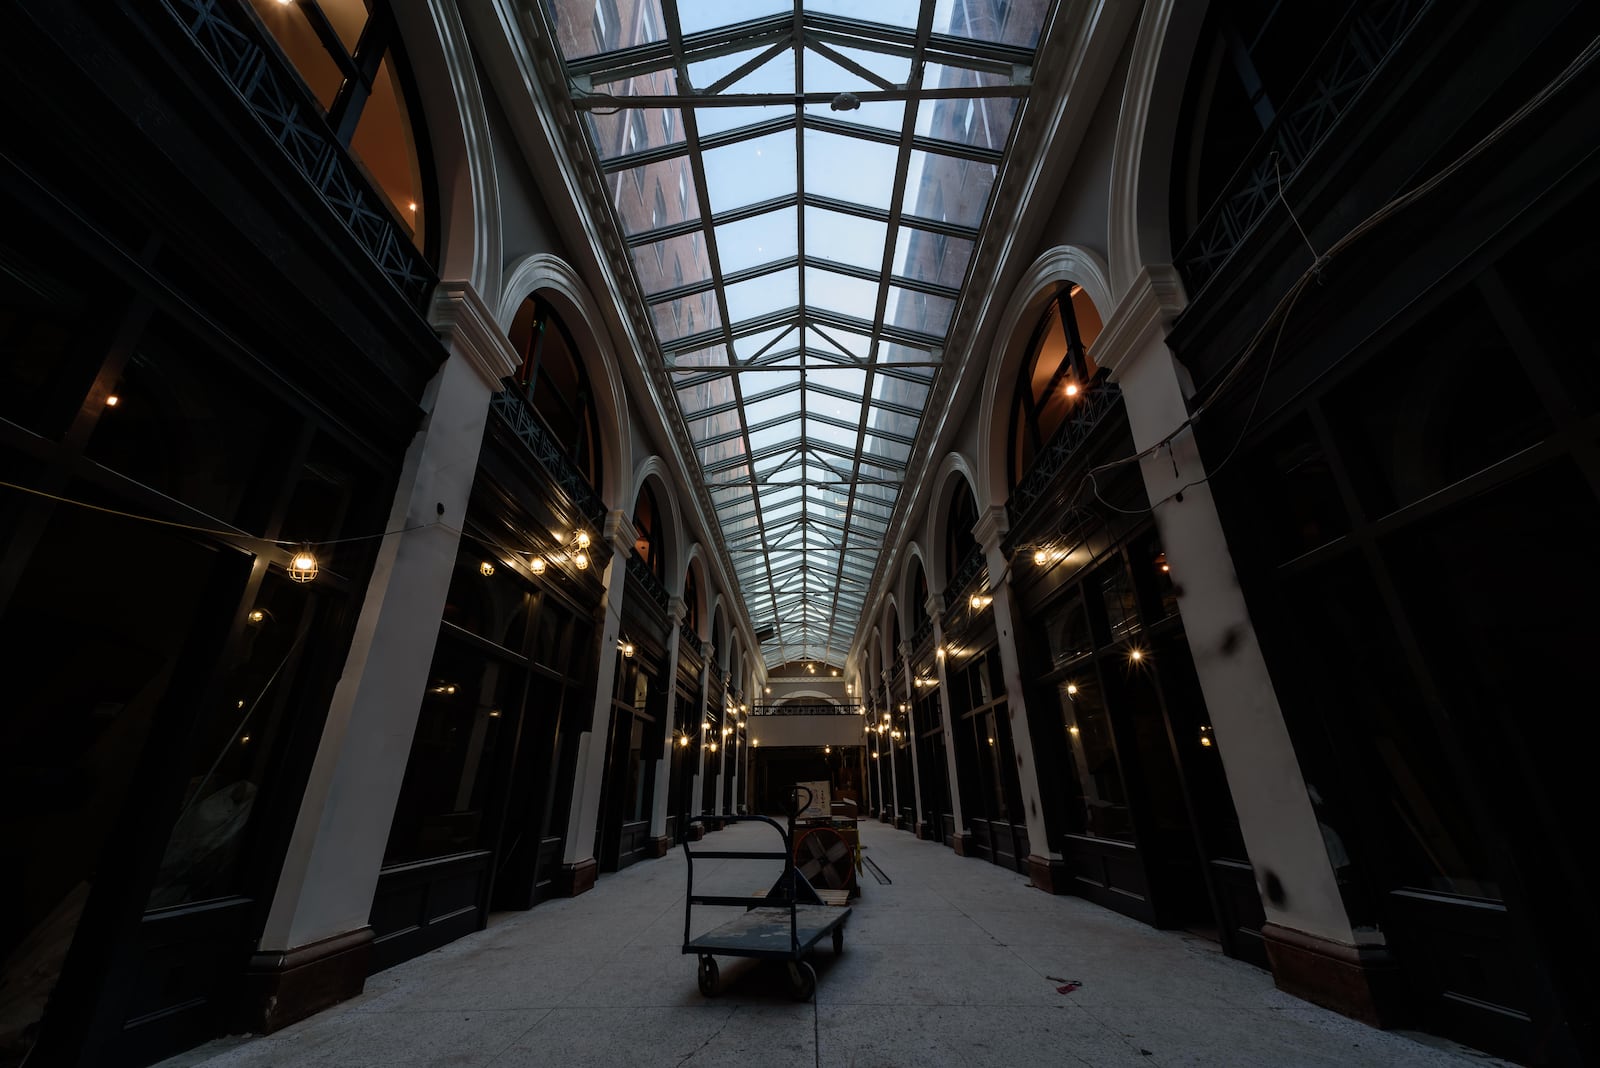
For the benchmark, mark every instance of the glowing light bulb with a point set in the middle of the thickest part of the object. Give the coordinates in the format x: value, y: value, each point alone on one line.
x: 257, y: 615
x: 1072, y: 688
x: 1136, y: 655
x: 583, y: 539
x: 827, y: 749
x: 486, y: 569
x: 112, y: 400
x: 1205, y: 740
x: 303, y: 566
x: 1040, y: 557
x: 581, y: 561
x: 1072, y: 729
x: 1072, y: 389
x: 536, y: 565
x: 627, y: 648
x: 683, y: 741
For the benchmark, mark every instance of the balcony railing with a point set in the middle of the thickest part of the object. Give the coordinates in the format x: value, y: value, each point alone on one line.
x: 1096, y: 401
x: 513, y: 407
x: 646, y: 578
x: 822, y: 709
x: 968, y: 570
x: 1334, y: 81
x: 292, y: 118
x: 692, y: 640
x: 923, y: 634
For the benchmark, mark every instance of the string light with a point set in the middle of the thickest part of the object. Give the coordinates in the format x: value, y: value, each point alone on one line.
x: 1072, y: 689
x: 1072, y: 389
x: 1136, y: 655
x: 303, y: 566
x: 626, y: 647
x: 486, y: 569
x: 1073, y: 729
x: 257, y: 615
x: 939, y: 652
x: 583, y: 539
x: 827, y: 749
x: 536, y: 565
x: 581, y: 561
x: 683, y: 741
x: 1040, y: 557
x: 980, y: 601
x: 112, y: 400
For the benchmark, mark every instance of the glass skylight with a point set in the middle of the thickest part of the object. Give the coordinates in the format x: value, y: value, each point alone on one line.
x: 801, y: 189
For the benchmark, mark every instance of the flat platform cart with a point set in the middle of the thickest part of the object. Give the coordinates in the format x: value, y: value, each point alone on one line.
x: 784, y: 924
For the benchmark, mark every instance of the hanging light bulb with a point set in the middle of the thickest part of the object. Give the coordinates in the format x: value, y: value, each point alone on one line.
x: 257, y: 615
x: 583, y: 539
x: 827, y: 749
x: 626, y: 647
x: 683, y: 741
x: 486, y: 569
x: 536, y: 565
x: 303, y: 565
x: 1072, y: 689
x: 1040, y: 557
x: 581, y: 560
x: 1072, y: 389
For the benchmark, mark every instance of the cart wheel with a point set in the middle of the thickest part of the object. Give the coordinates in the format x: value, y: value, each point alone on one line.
x: 802, y: 980
x: 838, y: 941
x: 708, y: 977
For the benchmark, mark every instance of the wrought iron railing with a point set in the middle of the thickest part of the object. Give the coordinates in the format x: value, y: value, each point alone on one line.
x: 966, y: 571
x: 821, y: 709
x: 692, y: 640
x: 923, y: 634
x: 641, y: 573
x: 512, y: 407
x: 224, y: 31
x: 1096, y: 401
x: 1367, y: 37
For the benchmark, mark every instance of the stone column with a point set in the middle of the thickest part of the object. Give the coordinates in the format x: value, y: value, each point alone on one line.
x: 579, y: 866
x: 1045, y: 866
x: 911, y: 727
x: 893, y: 708
x: 676, y: 609
x: 314, y: 948
x: 696, y: 725
x: 1314, y: 952
x: 935, y: 610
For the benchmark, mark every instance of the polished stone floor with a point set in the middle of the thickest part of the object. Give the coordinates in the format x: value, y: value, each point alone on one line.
x: 955, y: 962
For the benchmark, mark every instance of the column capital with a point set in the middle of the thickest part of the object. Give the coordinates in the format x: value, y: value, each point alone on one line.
x: 1147, y: 308
x: 991, y: 528
x: 934, y: 606
x: 677, y: 609
x: 904, y: 649
x: 619, y: 531
x: 468, y: 328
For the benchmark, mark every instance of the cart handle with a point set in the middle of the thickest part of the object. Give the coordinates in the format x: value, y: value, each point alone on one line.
x: 787, y: 856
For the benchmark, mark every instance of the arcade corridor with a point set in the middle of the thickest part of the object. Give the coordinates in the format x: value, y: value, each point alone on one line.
x: 953, y: 963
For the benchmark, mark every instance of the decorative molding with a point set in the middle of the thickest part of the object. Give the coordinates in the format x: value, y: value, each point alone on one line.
x: 468, y: 328
x: 1153, y: 299
x: 229, y: 38
x: 991, y: 528
x: 618, y: 530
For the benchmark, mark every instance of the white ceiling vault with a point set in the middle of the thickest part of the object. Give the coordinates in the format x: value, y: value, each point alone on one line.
x: 800, y: 191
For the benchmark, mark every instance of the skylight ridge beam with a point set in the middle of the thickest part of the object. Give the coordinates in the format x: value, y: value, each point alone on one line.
x: 908, y: 127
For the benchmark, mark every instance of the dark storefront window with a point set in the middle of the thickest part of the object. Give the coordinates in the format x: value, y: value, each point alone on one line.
x: 1057, y: 370
x: 1099, y: 805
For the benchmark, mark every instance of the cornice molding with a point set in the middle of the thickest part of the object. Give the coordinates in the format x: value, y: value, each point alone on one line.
x: 468, y: 328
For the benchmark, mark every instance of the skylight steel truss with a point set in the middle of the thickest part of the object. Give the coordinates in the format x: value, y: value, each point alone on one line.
x: 804, y: 332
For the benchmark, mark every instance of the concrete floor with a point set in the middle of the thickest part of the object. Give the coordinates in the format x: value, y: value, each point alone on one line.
x: 957, y: 962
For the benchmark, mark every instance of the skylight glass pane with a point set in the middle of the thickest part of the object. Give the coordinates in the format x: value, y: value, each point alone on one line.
x: 922, y: 312
x: 924, y: 256
x: 715, y: 355
x: 686, y: 316
x: 596, y: 27
x: 697, y: 15
x: 900, y: 13
x: 710, y: 121
x: 949, y: 189
x: 698, y: 398
x: 877, y: 114
x: 835, y: 338
x: 677, y: 261
x: 757, y: 240
x: 1012, y: 24
x: 626, y: 131
x: 977, y: 121
x: 654, y: 195
x: 761, y: 411
x: 776, y: 75
x: 841, y: 293
x: 763, y: 294
x: 848, y: 168
x: 750, y: 171
x: 848, y: 239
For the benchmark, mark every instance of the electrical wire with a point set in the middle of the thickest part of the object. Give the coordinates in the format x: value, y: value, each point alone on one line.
x: 1279, y: 316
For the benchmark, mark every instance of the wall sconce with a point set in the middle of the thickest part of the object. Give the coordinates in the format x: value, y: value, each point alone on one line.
x: 980, y: 601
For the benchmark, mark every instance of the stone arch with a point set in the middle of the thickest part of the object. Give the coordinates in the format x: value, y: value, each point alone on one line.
x: 1037, y: 287
x: 914, y: 609
x: 806, y: 697
x: 559, y: 283
x: 954, y: 473
x: 695, y: 560
x: 460, y: 144
x: 1141, y: 157
x: 654, y: 470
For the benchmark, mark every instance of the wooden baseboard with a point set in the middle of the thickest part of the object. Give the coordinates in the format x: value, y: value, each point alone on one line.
x: 1361, y: 982
x: 284, y: 987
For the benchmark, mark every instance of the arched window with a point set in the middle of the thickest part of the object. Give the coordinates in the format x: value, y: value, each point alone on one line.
x: 958, y: 537
x: 347, y: 53
x: 553, y: 379
x: 1251, y: 56
x: 1053, y: 376
x: 647, y: 532
x: 919, y: 589
x: 691, y: 601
